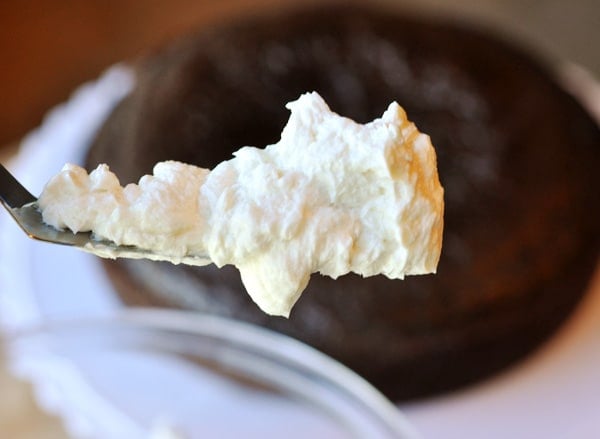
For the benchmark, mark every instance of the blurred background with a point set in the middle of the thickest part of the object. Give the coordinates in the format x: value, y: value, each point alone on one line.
x: 50, y: 47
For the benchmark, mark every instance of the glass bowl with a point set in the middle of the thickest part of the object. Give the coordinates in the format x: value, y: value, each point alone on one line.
x: 165, y: 373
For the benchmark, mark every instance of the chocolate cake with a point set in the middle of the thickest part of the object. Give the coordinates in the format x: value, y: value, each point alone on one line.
x: 518, y: 158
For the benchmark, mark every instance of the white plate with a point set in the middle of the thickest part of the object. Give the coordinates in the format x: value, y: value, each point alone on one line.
x: 553, y: 393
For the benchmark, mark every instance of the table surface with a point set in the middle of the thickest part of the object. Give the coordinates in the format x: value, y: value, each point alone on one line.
x: 52, y: 49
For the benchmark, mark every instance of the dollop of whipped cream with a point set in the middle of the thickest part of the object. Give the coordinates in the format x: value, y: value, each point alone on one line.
x: 332, y: 196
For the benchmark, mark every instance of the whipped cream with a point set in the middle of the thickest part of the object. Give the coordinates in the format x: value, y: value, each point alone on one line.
x: 332, y: 196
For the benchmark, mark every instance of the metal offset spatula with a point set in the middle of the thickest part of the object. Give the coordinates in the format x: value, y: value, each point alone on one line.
x: 22, y: 206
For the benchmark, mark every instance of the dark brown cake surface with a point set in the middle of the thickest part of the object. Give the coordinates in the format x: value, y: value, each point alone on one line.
x: 518, y: 158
